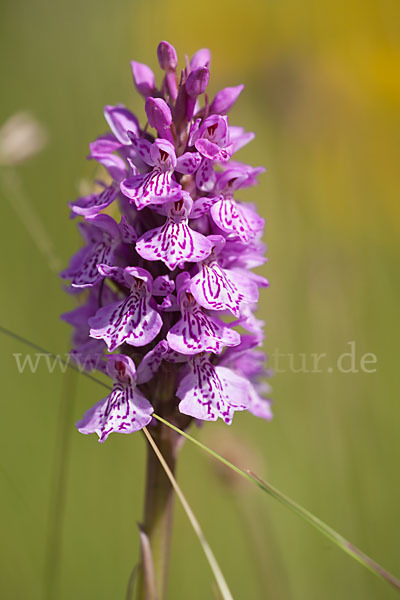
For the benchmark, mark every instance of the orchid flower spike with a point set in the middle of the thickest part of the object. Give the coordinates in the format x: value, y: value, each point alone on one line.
x: 165, y: 271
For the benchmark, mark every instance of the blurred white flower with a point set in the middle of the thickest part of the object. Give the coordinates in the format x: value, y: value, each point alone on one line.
x: 21, y: 137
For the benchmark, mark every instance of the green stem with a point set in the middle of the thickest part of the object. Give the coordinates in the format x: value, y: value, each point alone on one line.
x: 158, y: 510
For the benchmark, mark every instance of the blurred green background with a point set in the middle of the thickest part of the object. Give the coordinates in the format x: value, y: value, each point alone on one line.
x: 323, y: 95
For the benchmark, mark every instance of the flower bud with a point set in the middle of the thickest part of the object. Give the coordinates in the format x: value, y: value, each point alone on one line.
x: 202, y: 58
x: 159, y: 116
x: 197, y: 82
x: 143, y: 78
x: 225, y: 99
x: 166, y: 55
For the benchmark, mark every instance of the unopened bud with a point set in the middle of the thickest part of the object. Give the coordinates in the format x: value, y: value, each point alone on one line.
x: 225, y: 99
x: 143, y: 78
x: 159, y: 116
x: 197, y: 82
x: 202, y: 58
x: 167, y: 57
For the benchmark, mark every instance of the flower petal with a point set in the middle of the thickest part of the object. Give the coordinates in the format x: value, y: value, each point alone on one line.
x: 222, y: 289
x: 132, y: 321
x: 205, y: 176
x: 195, y: 332
x: 89, y: 206
x: 173, y: 243
x: 152, y: 188
x: 151, y: 362
x: 163, y: 285
x: 225, y: 99
x: 209, y: 392
x: 212, y: 151
x: 120, y: 121
x: 123, y: 411
x: 143, y: 78
x: 239, y: 219
x: 128, y: 234
x: 188, y: 163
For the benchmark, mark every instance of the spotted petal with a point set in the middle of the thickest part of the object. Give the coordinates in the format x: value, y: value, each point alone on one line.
x: 132, y: 320
x: 216, y: 288
x: 156, y: 187
x: 205, y: 176
x: 213, y: 151
x: 173, y: 243
x: 151, y: 362
x: 196, y: 332
x: 201, y: 206
x: 124, y: 410
x: 208, y: 392
x: 102, y: 235
x: 188, y: 163
x: 128, y: 234
x: 237, y: 219
x: 142, y: 147
x: 163, y: 286
x: 91, y: 205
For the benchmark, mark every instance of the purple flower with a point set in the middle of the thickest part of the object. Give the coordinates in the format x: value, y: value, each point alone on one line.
x: 124, y: 410
x: 248, y: 361
x: 102, y: 236
x: 121, y: 120
x: 236, y: 218
x: 201, y: 58
x: 217, y: 288
x: 90, y: 206
x: 143, y: 78
x: 133, y: 320
x: 86, y: 351
x: 225, y: 99
x: 174, y: 242
x: 157, y: 186
x: 196, y: 332
x: 170, y: 279
x: 208, y: 392
x: 160, y: 117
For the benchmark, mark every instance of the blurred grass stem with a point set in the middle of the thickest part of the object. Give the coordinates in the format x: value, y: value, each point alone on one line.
x: 59, y: 485
x: 15, y: 195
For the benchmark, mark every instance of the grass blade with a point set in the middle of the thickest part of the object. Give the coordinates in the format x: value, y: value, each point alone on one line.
x: 322, y: 527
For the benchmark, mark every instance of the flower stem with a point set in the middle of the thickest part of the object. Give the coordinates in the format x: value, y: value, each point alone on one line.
x: 158, y: 510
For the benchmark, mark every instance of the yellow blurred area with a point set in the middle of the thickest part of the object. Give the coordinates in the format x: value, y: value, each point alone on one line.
x: 327, y: 68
